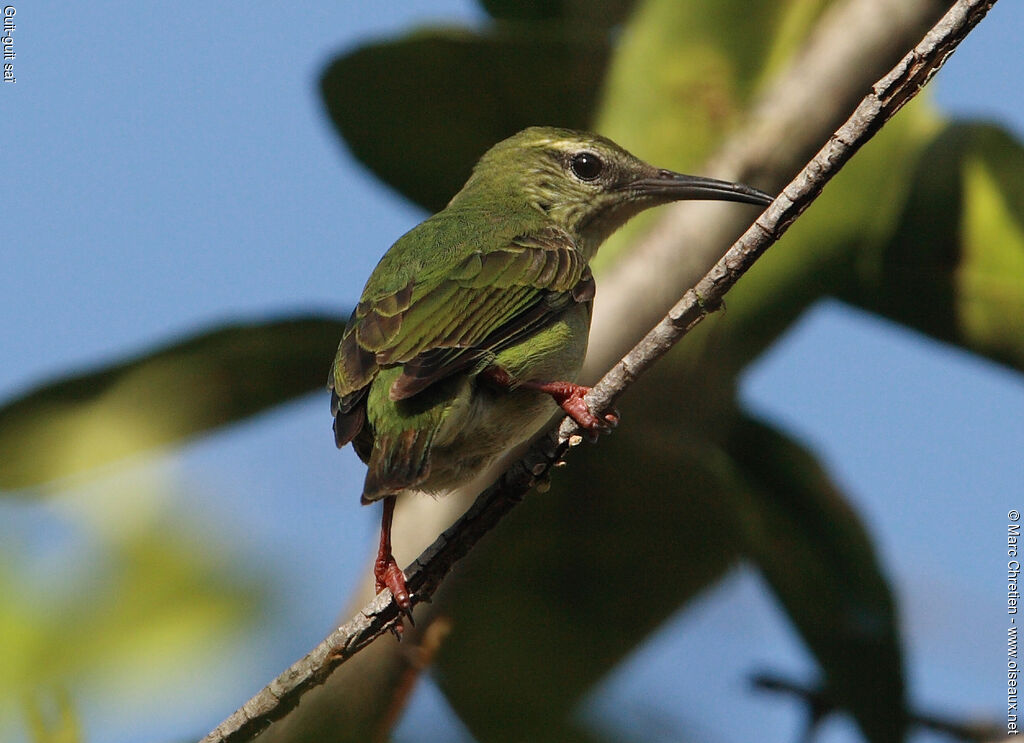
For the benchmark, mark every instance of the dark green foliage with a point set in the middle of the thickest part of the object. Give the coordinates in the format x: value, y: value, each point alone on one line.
x: 420, y: 111
x: 165, y: 395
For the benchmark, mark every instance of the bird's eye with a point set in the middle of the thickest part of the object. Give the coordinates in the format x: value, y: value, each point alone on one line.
x: 586, y: 166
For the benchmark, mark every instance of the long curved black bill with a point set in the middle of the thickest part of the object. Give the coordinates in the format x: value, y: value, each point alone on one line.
x: 677, y: 186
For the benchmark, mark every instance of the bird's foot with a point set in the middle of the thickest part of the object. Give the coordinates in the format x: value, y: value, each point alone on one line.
x: 569, y: 397
x: 388, y: 575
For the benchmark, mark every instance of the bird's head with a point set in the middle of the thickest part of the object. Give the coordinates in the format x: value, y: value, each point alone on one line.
x: 585, y: 183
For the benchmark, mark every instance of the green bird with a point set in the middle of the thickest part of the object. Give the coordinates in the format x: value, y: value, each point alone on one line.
x: 473, y: 325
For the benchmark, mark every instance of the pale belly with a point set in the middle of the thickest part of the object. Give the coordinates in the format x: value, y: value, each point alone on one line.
x: 491, y: 421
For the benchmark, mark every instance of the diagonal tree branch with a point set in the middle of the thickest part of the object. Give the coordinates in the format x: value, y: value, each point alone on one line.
x: 887, y: 96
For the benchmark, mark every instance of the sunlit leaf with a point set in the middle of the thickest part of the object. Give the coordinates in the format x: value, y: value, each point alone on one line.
x: 954, y: 264
x: 170, y: 393
x: 684, y: 72
x: 683, y: 76
x: 421, y: 110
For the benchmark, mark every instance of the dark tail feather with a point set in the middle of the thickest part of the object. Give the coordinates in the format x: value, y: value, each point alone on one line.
x: 349, y: 415
x: 397, y: 463
x: 348, y: 425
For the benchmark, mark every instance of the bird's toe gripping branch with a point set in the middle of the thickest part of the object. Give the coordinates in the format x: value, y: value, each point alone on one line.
x: 388, y: 575
x: 569, y: 397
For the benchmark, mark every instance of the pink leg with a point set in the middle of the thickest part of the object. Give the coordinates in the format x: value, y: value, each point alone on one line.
x: 386, y: 572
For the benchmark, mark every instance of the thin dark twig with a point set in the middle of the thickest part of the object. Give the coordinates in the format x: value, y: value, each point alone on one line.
x: 887, y: 96
x: 819, y: 703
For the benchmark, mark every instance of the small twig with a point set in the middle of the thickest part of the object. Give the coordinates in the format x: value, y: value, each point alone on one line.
x: 820, y: 703
x: 888, y: 95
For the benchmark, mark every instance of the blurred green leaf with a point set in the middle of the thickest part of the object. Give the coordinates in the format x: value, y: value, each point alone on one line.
x: 141, y: 602
x: 953, y: 267
x: 57, y: 725
x: 421, y: 110
x: 161, y: 396
x: 684, y: 72
x: 819, y: 560
x: 683, y: 76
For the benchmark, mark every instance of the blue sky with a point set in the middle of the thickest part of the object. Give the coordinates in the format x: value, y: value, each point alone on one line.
x: 165, y: 167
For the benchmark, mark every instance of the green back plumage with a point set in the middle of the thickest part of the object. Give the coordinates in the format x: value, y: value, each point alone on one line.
x: 433, y: 323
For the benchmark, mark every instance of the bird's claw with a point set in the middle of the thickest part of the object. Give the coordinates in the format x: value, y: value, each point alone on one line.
x: 388, y: 575
x: 576, y: 407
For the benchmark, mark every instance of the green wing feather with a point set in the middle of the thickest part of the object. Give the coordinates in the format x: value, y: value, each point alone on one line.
x: 437, y: 325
